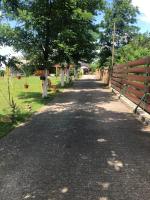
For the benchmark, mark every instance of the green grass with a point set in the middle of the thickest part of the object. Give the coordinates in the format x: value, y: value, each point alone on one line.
x: 24, y: 98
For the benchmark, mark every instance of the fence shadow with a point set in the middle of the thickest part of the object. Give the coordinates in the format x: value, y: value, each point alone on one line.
x: 78, y: 150
x: 71, y: 152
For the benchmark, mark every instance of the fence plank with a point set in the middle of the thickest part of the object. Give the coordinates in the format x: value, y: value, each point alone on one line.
x: 120, y: 70
x: 139, y: 70
x: 135, y: 84
x: 118, y: 75
x: 117, y: 79
x: 135, y: 74
x: 138, y: 78
x: 116, y: 84
x: 116, y: 88
x: 142, y: 61
x: 132, y: 98
x: 137, y: 93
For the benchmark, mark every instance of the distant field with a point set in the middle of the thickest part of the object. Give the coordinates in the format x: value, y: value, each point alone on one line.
x: 24, y: 98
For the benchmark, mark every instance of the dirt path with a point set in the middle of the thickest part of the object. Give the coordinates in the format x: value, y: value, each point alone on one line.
x: 86, y: 145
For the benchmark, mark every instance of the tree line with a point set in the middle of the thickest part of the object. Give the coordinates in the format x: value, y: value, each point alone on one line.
x: 51, y: 31
x: 56, y: 31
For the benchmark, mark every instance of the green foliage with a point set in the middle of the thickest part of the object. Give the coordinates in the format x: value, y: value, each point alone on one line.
x: 123, y: 14
x: 137, y: 48
x: 25, y: 101
x: 2, y: 72
x: 77, y: 41
x: 10, y: 62
x: 94, y: 66
x: 51, y: 31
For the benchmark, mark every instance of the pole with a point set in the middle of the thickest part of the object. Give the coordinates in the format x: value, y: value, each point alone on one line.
x: 113, y: 53
x: 113, y: 46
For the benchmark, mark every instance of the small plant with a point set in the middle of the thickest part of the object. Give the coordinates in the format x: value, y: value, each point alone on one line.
x: 26, y: 86
x: 70, y: 80
x: 54, y: 88
x: 18, y: 77
x: 14, y: 111
x: 11, y: 101
x: 11, y: 63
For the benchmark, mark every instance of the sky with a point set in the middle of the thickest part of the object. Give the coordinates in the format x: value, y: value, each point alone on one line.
x: 144, y: 17
x: 143, y: 22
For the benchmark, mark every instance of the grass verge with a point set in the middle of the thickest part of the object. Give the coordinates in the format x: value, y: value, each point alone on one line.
x: 28, y: 101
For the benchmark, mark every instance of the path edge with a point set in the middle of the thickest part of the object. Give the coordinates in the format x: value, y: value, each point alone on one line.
x: 142, y: 115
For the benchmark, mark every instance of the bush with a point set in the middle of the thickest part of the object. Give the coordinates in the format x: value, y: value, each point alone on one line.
x: 2, y: 72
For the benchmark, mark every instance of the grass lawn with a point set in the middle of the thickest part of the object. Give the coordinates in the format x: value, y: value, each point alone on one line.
x: 27, y: 100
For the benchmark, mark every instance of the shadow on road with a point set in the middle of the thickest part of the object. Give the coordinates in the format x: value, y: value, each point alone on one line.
x: 78, y: 149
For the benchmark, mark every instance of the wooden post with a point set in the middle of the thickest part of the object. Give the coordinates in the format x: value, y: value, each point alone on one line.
x: 75, y: 73
x: 62, y: 77
x: 113, y: 52
x: 44, y: 84
x: 113, y: 47
x: 56, y: 71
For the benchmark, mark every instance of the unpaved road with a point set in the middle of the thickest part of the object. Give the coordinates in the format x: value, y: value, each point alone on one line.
x: 86, y: 145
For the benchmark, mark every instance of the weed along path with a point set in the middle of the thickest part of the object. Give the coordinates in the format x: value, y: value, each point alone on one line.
x: 86, y: 145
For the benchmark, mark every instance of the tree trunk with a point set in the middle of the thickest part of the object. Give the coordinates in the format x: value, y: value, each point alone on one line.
x: 75, y: 73
x: 62, y: 77
x: 67, y: 75
x: 56, y: 71
x: 45, y: 85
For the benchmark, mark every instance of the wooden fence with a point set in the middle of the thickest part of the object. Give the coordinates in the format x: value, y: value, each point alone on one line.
x: 103, y: 75
x: 133, y: 81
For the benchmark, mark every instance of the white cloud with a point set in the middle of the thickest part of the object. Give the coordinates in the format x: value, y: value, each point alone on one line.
x: 144, y: 8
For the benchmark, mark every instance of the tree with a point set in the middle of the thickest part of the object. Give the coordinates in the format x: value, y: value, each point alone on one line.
x: 123, y: 14
x: 77, y: 42
x: 10, y: 63
x: 33, y: 34
x: 50, y: 30
x: 137, y: 48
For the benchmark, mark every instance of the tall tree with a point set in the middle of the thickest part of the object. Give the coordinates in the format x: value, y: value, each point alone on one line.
x: 50, y: 29
x: 123, y: 14
x: 77, y: 42
x: 137, y: 48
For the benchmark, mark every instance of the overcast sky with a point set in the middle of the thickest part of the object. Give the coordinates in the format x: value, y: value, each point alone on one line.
x: 143, y: 22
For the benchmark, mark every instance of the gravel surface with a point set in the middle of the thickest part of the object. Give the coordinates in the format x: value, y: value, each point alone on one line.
x: 86, y: 145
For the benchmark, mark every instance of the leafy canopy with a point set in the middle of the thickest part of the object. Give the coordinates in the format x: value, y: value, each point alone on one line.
x: 123, y: 14
x: 49, y: 31
x: 137, y: 48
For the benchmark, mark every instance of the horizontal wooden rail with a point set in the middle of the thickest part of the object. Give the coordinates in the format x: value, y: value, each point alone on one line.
x: 138, y: 78
x: 139, y: 70
x: 135, y: 84
x: 137, y: 93
x: 132, y: 79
